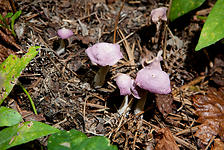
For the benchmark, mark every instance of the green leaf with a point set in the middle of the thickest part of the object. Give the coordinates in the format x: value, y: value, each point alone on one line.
x: 9, y: 117
x: 96, y: 143
x: 181, y: 7
x: 14, y: 17
x: 65, y: 140
x: 23, y: 133
x: 213, y: 29
x: 73, y: 139
x: 11, y: 69
x: 8, y: 15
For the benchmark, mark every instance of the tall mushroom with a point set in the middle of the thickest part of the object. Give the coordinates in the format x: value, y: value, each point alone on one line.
x: 104, y: 55
x: 153, y: 79
x: 158, y: 15
x: 63, y: 34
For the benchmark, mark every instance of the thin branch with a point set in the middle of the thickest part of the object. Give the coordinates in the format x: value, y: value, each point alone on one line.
x: 116, y: 22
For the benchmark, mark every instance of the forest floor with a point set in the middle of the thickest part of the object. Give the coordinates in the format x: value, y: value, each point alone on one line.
x: 190, y: 117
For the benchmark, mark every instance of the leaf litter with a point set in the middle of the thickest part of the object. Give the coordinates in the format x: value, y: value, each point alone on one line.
x: 210, y: 109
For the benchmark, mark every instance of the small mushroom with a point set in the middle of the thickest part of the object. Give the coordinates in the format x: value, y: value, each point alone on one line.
x: 152, y: 79
x: 63, y: 34
x: 127, y: 87
x: 124, y: 83
x: 157, y: 15
x: 104, y: 55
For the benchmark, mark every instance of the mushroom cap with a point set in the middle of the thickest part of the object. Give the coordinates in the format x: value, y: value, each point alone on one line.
x: 124, y: 83
x: 153, y: 80
x: 135, y: 90
x: 104, y: 54
x: 65, y: 33
x: 127, y: 85
x: 159, y: 14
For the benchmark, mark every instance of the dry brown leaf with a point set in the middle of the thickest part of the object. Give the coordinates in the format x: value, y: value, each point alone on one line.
x: 164, y: 103
x: 218, y: 145
x: 165, y: 140
x: 210, y: 109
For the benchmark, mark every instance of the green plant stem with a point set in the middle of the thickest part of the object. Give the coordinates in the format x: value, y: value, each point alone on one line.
x: 1, y: 101
x: 29, y: 97
x: 202, y: 18
x: 13, y: 33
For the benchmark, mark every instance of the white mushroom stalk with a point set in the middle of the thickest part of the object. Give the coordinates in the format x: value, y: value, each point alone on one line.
x: 100, y: 76
x: 125, y: 107
x: 104, y: 55
x: 141, y: 103
x: 152, y: 79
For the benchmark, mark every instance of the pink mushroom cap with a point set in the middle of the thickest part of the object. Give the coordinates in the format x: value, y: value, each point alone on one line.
x: 65, y: 33
x: 159, y: 14
x: 104, y: 54
x: 124, y: 83
x: 153, y: 80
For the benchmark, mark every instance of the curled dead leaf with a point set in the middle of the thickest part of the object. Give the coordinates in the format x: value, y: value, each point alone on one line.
x: 210, y: 109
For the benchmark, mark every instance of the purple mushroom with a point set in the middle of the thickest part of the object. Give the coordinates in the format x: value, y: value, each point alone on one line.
x: 63, y: 34
x: 126, y: 86
x: 105, y: 55
x: 124, y: 83
x: 152, y: 79
x: 157, y: 15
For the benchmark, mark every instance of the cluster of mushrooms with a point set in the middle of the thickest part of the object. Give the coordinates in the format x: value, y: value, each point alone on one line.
x: 150, y: 78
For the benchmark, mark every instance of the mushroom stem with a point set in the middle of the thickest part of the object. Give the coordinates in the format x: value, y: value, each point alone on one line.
x: 141, y: 103
x: 61, y: 48
x: 100, y: 76
x: 124, y: 106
